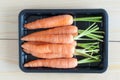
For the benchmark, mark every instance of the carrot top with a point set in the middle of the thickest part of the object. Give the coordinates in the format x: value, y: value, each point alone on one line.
x: 89, y: 50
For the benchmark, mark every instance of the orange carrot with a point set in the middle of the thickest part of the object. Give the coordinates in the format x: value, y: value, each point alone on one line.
x: 27, y: 51
x: 54, y: 21
x: 58, y: 30
x: 50, y: 38
x: 48, y: 55
x: 40, y: 43
x: 50, y: 48
x: 37, y: 42
x: 53, y: 63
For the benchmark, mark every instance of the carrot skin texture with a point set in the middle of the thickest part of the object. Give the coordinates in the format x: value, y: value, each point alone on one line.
x: 49, y: 48
x: 59, y: 30
x: 40, y: 43
x: 53, y: 63
x: 48, y: 55
x: 65, y: 38
x: 54, y: 21
x: 27, y: 51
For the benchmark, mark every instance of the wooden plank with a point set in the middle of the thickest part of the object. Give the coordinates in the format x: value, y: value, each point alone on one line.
x: 9, y: 14
x: 9, y: 11
x: 9, y: 68
x: 8, y: 55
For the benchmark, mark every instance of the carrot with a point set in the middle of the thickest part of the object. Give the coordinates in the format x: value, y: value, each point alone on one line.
x: 50, y: 38
x: 60, y: 20
x: 54, y: 21
x: 48, y: 55
x: 37, y: 42
x: 58, y: 30
x: 27, y: 51
x: 50, y: 48
x: 53, y: 63
x: 40, y: 43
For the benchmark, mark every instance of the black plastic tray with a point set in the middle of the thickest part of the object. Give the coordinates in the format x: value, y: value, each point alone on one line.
x: 29, y: 15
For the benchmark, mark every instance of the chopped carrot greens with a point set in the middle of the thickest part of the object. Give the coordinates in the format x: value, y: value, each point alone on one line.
x: 89, y: 50
x: 90, y: 32
x: 90, y: 19
x: 89, y: 60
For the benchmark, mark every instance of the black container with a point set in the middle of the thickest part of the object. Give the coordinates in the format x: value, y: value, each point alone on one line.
x: 29, y: 15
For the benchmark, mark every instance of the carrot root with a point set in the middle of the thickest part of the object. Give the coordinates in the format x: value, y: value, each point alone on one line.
x: 59, y: 30
x: 49, y: 48
x: 55, y: 21
x: 53, y: 63
x: 49, y: 38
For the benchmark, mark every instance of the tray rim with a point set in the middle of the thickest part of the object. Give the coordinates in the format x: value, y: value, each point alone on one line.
x: 66, y: 71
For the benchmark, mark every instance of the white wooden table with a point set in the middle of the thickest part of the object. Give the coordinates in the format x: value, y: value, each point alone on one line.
x: 9, y: 10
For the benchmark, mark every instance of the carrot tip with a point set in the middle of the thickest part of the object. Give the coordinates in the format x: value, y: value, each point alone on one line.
x: 22, y: 38
x: 26, y: 65
x: 26, y: 51
x: 22, y: 46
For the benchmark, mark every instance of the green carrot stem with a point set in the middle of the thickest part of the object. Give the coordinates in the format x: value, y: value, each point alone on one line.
x: 80, y: 31
x: 83, y: 53
x: 84, y: 32
x: 83, y: 39
x: 88, y: 60
x: 89, y: 46
x: 89, y: 32
x: 90, y: 19
x: 94, y: 38
x: 99, y: 17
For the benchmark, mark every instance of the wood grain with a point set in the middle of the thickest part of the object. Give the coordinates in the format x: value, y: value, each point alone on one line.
x: 9, y: 11
x: 9, y: 14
